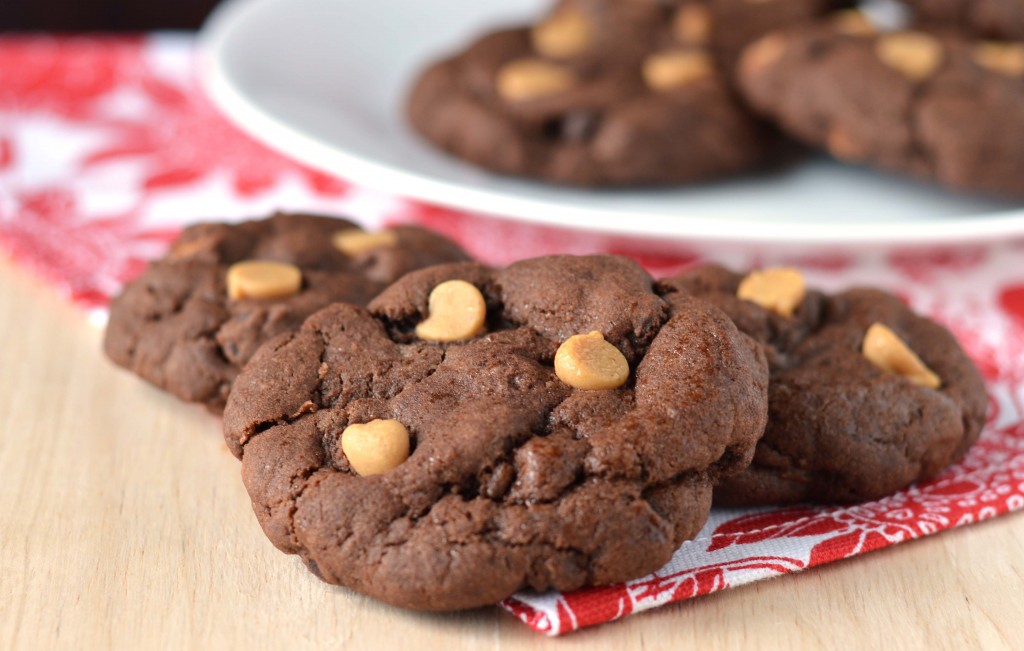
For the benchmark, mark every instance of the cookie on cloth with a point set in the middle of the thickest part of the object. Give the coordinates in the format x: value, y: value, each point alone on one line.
x: 865, y: 396
x: 933, y: 105
x: 986, y: 18
x: 475, y: 432
x: 598, y: 94
x: 194, y: 318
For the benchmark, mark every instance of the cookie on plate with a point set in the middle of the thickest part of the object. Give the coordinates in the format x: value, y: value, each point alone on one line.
x: 475, y: 432
x: 910, y: 102
x: 598, y: 94
x: 987, y: 18
x: 865, y: 396
x: 734, y: 24
x: 622, y: 29
x: 194, y: 318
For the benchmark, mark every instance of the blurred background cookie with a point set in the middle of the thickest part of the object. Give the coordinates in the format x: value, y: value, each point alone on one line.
x: 604, y: 93
x: 734, y: 24
x: 987, y: 18
x: 936, y: 105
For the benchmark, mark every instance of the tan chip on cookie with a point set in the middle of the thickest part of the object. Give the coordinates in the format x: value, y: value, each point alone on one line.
x: 356, y: 241
x: 457, y: 311
x: 762, y: 54
x: 589, y: 362
x: 780, y: 289
x: 916, y: 55
x: 564, y: 34
x: 376, y: 447
x: 883, y: 348
x: 263, y: 279
x: 527, y: 79
x: 692, y: 24
x: 853, y: 23
x: 1004, y: 58
x: 191, y: 248
x: 670, y: 70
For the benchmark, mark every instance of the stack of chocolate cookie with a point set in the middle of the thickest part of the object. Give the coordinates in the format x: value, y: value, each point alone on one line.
x: 560, y: 423
x: 649, y: 92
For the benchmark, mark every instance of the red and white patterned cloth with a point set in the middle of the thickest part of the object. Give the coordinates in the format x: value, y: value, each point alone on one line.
x: 107, y: 148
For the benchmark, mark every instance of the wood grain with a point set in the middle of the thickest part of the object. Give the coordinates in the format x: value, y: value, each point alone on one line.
x: 124, y: 525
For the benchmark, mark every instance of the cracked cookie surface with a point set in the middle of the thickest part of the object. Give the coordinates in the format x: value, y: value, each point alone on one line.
x: 176, y: 326
x: 839, y: 428
x: 515, y: 479
x: 933, y: 105
x: 607, y: 94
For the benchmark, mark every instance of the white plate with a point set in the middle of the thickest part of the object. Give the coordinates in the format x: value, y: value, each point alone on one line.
x: 324, y: 82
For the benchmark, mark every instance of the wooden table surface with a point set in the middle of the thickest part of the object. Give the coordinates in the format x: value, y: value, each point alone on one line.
x: 124, y: 525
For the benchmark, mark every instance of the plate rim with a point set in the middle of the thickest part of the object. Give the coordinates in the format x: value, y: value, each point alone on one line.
x: 261, y: 124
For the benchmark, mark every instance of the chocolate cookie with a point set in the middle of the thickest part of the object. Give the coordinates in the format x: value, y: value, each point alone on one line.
x: 194, y: 318
x: 865, y: 397
x: 475, y: 432
x: 910, y: 102
x: 737, y: 23
x: 723, y: 26
x: 601, y: 94
x: 988, y: 18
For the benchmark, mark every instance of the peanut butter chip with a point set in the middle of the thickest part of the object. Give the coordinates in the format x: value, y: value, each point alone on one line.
x: 780, y: 289
x: 888, y: 352
x: 692, y: 24
x: 183, y: 250
x: 590, y: 362
x: 917, y: 56
x: 528, y: 79
x: 565, y: 34
x: 263, y: 279
x: 1004, y: 58
x: 763, y: 54
x: 853, y: 23
x: 457, y: 312
x: 671, y: 70
x: 376, y: 447
x: 355, y: 241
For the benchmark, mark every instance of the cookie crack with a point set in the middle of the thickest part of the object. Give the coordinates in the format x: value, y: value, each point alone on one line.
x: 903, y: 445
x: 322, y: 369
x: 257, y: 427
x: 176, y: 307
x: 805, y: 475
x: 444, y: 356
x: 293, y: 500
x: 491, y: 536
